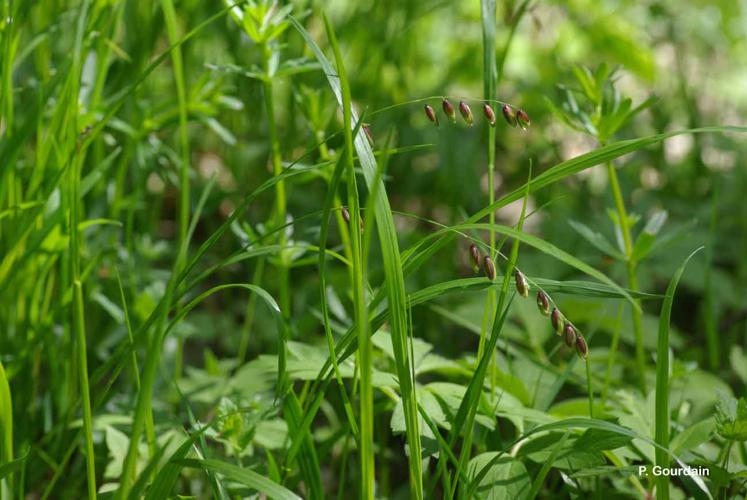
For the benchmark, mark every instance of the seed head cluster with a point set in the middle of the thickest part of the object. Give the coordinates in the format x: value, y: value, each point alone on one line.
x: 562, y: 327
x: 514, y: 117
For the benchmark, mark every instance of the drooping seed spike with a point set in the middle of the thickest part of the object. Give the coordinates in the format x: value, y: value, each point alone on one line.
x: 489, y: 114
x: 466, y: 113
x: 474, y: 253
x: 569, y: 333
x: 521, y: 283
x: 489, y: 268
x: 557, y: 321
x: 543, y: 303
x: 345, y: 214
x: 449, y: 110
x: 431, y: 114
x: 581, y: 348
x: 522, y: 118
x: 509, y: 115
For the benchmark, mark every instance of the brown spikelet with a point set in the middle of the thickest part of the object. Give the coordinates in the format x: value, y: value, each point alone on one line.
x: 522, y: 118
x: 489, y: 268
x: 581, y: 348
x: 431, y: 114
x: 474, y: 254
x: 521, y: 283
x: 466, y: 113
x: 345, y: 214
x: 543, y: 302
x: 557, y: 321
x: 489, y: 114
x: 509, y: 115
x: 449, y: 110
x: 569, y: 333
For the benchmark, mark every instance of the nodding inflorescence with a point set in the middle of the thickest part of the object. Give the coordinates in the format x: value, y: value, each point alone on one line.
x: 431, y: 114
x: 449, y: 110
x: 466, y: 113
x: 560, y: 325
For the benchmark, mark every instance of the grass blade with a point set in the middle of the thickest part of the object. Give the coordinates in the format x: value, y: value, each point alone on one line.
x: 661, y: 425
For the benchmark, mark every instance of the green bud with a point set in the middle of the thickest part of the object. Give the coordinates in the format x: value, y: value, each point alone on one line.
x: 509, y: 115
x: 521, y: 283
x: 581, y: 348
x: 489, y: 114
x: 523, y: 119
x: 449, y: 110
x: 489, y: 268
x: 431, y: 114
x: 557, y: 321
x: 466, y: 113
x: 570, y: 335
x: 543, y: 302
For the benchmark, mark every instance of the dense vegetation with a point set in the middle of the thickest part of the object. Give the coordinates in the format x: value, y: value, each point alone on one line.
x: 392, y: 249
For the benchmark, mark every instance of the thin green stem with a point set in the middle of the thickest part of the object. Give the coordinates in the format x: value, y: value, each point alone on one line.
x: 277, y: 169
x: 630, y: 265
x: 169, y: 15
x: 81, y: 355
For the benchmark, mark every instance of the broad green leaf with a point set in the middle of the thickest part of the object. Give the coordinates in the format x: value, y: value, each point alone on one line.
x: 506, y: 478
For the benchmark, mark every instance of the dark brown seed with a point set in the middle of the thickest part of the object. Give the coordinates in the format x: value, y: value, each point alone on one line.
x: 557, y: 321
x: 345, y: 214
x: 521, y: 283
x: 570, y: 335
x: 543, y: 302
x: 449, y: 110
x: 523, y: 119
x: 509, y: 115
x: 581, y: 348
x: 431, y: 114
x: 466, y: 113
x: 489, y: 114
x: 489, y: 268
x: 474, y: 253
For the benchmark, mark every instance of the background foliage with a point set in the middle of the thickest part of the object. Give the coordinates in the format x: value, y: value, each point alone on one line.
x: 135, y: 179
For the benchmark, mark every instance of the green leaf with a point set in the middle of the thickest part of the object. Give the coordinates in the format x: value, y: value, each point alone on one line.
x: 506, y: 478
x: 731, y: 418
x: 596, y: 239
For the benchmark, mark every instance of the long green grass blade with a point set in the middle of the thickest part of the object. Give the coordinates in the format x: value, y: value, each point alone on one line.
x: 661, y: 426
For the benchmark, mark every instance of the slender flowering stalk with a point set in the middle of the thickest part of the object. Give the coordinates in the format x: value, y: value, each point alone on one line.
x: 509, y: 115
x: 466, y: 113
x: 581, y: 348
x: 431, y: 114
x: 522, y: 119
x: 449, y: 110
x: 521, y: 283
x: 569, y: 333
x: 489, y: 268
x: 489, y: 114
x: 557, y: 321
x: 543, y: 303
